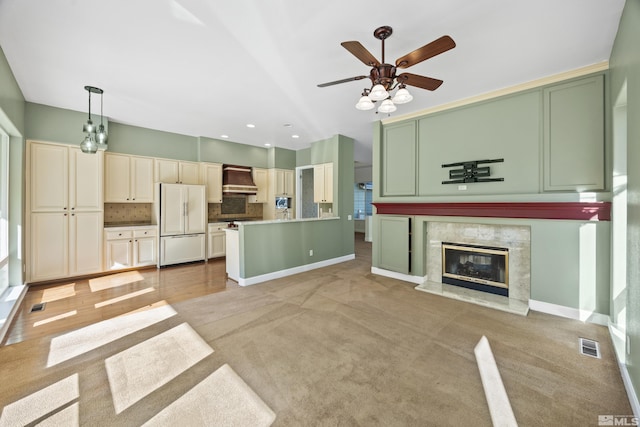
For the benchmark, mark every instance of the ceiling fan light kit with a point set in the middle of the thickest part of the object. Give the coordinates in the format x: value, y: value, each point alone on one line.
x: 383, y: 76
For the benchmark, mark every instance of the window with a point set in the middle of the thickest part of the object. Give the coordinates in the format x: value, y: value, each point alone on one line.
x: 4, y: 211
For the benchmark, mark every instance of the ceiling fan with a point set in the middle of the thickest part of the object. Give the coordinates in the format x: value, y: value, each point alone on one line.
x: 383, y: 76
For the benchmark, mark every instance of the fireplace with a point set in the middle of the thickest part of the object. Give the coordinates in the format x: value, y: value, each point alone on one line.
x: 482, y: 268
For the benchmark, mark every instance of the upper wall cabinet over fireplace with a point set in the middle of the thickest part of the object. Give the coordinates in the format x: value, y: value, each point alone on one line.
x: 551, y: 139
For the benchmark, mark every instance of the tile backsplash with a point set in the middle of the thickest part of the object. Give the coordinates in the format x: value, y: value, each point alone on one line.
x: 127, y: 213
x: 252, y: 210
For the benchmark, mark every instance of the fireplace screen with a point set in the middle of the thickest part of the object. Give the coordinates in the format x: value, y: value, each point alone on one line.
x: 476, y: 267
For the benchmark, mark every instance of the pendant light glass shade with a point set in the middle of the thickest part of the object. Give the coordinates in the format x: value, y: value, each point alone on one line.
x: 101, y: 135
x: 378, y: 93
x: 387, y: 106
x: 365, y: 103
x: 89, y: 145
x: 402, y: 96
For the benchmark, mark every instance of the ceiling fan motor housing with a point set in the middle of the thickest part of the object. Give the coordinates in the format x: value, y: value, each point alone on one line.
x: 383, y: 74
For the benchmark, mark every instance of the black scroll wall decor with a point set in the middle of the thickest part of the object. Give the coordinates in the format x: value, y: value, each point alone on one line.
x: 470, y: 172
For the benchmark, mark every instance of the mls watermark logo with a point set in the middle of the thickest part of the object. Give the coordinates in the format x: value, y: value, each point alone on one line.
x: 618, y: 420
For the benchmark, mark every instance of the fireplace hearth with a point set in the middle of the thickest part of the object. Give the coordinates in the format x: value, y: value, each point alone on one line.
x: 481, y: 268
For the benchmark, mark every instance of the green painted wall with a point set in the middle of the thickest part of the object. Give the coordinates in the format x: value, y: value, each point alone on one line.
x: 303, y: 157
x: 625, y: 72
x: 217, y: 151
x: 153, y: 143
x: 281, y: 158
x: 12, y: 115
x: 285, y: 245
x: 45, y: 123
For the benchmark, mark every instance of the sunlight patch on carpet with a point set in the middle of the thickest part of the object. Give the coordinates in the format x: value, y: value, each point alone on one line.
x: 72, y: 344
x: 497, y: 399
x: 221, y: 399
x: 139, y: 370
x: 47, y: 401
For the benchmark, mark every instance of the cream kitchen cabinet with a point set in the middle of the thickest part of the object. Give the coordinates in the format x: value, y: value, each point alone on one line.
x: 128, y: 247
x: 217, y: 240
x: 283, y: 182
x: 65, y: 205
x: 128, y: 179
x: 177, y: 172
x: 212, y: 179
x: 323, y: 183
x: 261, y: 180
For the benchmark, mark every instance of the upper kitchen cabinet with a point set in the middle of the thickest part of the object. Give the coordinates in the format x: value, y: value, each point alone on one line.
x: 323, y: 183
x: 574, y: 135
x: 212, y: 178
x: 261, y: 180
x: 177, y: 172
x: 283, y: 183
x: 128, y: 179
x: 399, y: 146
x: 63, y: 178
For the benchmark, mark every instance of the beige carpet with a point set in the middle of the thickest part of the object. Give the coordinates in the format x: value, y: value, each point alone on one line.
x: 222, y: 399
x: 339, y: 346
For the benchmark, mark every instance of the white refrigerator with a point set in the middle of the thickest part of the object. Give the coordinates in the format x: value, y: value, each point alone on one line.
x: 182, y: 219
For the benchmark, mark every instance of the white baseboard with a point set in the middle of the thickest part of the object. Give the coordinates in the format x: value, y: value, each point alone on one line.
x: 626, y: 379
x: 295, y: 270
x: 418, y: 280
x: 569, y: 312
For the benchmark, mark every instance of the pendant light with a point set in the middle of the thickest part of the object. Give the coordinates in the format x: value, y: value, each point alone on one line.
x: 94, y: 135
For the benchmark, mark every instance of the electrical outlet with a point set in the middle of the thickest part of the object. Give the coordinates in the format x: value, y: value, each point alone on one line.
x: 310, y: 252
x: 349, y: 217
x: 462, y: 187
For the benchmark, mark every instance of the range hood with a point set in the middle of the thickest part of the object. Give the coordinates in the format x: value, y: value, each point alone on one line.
x: 237, y: 180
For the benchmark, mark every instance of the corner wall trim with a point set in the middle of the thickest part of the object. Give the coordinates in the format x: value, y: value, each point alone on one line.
x: 295, y: 270
x: 569, y: 312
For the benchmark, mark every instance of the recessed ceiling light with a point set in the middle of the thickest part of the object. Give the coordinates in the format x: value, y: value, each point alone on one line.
x: 267, y: 145
x: 295, y: 136
x: 224, y: 136
x: 249, y: 125
x: 288, y: 125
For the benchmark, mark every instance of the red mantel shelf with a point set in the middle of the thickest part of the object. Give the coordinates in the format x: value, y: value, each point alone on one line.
x: 585, y: 211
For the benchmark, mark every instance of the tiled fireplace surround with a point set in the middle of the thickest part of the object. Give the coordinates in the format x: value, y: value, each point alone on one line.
x: 516, y: 238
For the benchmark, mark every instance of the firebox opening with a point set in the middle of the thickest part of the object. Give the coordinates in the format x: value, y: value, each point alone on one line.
x: 476, y: 267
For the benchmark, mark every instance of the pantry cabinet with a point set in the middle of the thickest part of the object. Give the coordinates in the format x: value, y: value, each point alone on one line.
x: 65, y: 205
x: 128, y: 179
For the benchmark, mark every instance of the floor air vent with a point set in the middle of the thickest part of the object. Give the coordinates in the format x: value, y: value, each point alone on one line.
x: 589, y: 348
x: 37, y: 307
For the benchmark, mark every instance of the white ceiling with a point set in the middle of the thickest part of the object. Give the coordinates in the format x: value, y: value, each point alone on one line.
x: 207, y: 68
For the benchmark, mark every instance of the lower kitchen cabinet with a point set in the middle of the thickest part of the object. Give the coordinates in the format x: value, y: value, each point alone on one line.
x: 217, y: 246
x: 128, y: 247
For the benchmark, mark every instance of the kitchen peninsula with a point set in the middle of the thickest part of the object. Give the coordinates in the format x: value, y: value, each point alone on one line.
x: 258, y: 251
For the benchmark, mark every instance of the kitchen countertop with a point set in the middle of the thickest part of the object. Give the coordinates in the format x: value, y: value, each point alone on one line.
x: 128, y: 224
x: 281, y: 221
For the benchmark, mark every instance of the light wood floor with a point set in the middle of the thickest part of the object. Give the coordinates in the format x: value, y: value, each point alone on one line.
x: 76, y: 303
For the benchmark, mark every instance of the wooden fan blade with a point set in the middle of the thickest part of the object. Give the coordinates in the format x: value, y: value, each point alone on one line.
x: 361, y: 53
x: 337, y: 82
x: 423, y: 82
x: 427, y: 51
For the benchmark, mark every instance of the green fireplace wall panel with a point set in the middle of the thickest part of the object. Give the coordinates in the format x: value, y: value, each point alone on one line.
x: 507, y: 128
